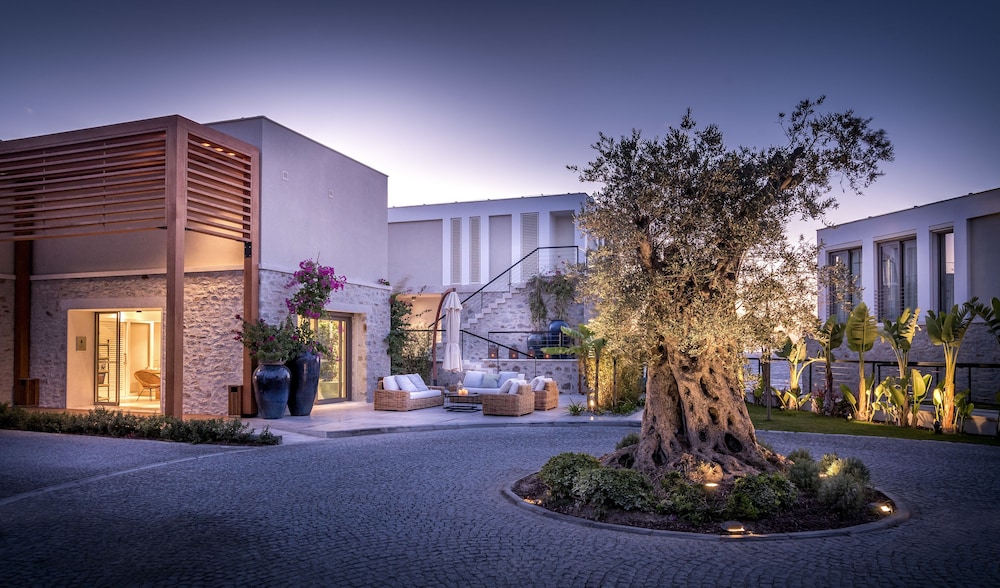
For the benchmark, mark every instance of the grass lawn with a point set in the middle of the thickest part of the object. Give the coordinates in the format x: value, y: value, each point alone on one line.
x: 807, y: 422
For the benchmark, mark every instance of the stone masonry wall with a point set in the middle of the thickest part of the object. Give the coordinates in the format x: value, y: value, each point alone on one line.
x: 212, y: 358
x: 369, y: 306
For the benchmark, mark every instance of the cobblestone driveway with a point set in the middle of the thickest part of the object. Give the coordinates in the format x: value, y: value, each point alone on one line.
x: 426, y: 509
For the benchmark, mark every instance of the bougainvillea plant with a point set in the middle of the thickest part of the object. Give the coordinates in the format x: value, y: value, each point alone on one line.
x: 316, y: 283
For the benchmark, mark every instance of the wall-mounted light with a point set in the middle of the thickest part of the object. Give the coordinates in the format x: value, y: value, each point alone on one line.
x: 493, y: 352
x: 513, y: 354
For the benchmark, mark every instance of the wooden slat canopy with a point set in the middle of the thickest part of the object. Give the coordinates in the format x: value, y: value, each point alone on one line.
x: 165, y: 173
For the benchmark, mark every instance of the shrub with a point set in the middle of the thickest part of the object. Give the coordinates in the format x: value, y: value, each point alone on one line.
x: 799, y: 455
x: 102, y: 422
x: 851, y: 466
x: 559, y: 472
x: 605, y: 488
x: 687, y: 501
x: 826, y: 461
x: 844, y: 494
x: 804, y: 473
x: 759, y: 496
x: 628, y: 440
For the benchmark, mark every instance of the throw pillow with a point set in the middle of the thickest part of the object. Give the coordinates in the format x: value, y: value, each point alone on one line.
x: 506, y: 387
x: 489, y: 381
x: 389, y: 383
x: 538, y: 383
x: 473, y: 379
x: 418, y: 382
x: 504, y: 376
x: 405, y: 384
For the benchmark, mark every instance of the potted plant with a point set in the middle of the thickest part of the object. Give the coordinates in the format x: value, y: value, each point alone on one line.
x: 271, y: 345
x: 315, y: 284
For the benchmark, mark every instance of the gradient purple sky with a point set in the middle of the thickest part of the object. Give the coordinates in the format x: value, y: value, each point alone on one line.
x: 465, y: 100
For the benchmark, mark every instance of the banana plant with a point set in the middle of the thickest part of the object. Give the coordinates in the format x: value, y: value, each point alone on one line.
x: 587, y: 345
x: 888, y: 397
x: 899, y: 336
x: 991, y: 315
x: 921, y: 385
x: 830, y: 337
x: 794, y: 351
x: 963, y: 409
x: 947, y: 329
x: 860, y: 333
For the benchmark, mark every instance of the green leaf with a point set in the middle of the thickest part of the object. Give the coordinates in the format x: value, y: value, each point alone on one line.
x: 862, y: 330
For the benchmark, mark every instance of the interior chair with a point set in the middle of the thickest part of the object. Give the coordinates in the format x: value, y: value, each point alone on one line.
x: 148, y: 382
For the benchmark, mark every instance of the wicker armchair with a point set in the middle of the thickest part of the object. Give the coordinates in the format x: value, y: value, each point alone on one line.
x: 400, y: 400
x: 518, y: 404
x: 548, y: 398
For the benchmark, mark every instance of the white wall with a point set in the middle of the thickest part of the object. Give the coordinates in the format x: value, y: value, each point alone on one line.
x: 553, y: 212
x: 316, y: 202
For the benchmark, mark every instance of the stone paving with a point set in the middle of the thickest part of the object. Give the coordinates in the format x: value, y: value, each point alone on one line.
x: 427, y: 508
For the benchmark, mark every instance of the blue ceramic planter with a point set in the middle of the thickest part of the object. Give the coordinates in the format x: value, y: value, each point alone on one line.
x: 271, y: 383
x: 305, y: 383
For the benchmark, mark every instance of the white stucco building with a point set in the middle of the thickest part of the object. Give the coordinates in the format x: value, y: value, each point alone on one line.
x: 929, y: 257
x: 134, y: 246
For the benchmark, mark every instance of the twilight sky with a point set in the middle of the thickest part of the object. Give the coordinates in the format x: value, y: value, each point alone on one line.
x: 473, y: 100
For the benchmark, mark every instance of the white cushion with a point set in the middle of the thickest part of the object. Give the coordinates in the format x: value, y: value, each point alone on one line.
x: 424, y: 394
x: 406, y: 384
x: 504, y: 376
x: 417, y: 381
x: 489, y: 381
x: 473, y: 379
x: 509, y: 387
x: 389, y: 383
x: 538, y: 384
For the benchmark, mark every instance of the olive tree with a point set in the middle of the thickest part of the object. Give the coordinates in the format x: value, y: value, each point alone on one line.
x: 678, y: 220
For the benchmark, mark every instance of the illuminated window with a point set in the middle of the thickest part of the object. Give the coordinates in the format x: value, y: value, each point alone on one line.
x: 843, y: 297
x: 897, y: 278
x: 946, y: 270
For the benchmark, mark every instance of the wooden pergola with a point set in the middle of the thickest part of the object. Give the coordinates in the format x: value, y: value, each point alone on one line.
x: 166, y: 173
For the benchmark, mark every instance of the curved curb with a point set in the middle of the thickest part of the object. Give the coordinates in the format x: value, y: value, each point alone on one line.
x: 454, y: 426
x: 900, y: 514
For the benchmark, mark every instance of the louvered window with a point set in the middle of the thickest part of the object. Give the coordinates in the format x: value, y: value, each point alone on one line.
x: 529, y: 243
x: 474, y: 251
x: 456, y: 251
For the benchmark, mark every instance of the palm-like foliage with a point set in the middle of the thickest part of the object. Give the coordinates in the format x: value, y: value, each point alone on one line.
x: 861, y: 332
x: 899, y: 336
x: 947, y: 329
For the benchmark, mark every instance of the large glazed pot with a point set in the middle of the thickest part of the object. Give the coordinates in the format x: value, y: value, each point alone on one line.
x: 271, y: 382
x: 305, y: 383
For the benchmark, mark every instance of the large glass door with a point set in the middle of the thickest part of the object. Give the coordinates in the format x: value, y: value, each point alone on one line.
x: 334, y: 331
x: 107, y: 365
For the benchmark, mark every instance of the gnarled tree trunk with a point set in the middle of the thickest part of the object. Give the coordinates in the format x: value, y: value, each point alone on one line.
x: 695, y: 421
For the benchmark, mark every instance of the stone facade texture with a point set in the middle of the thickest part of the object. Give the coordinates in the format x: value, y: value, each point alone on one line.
x: 212, y: 358
x: 505, y: 317
x: 369, y: 307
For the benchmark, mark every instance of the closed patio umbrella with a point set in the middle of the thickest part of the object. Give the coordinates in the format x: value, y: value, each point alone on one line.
x: 452, y: 361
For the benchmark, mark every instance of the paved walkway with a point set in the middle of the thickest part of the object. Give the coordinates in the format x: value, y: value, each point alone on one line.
x: 426, y: 508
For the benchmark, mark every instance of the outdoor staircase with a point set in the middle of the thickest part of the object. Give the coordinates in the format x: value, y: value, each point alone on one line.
x: 492, y: 306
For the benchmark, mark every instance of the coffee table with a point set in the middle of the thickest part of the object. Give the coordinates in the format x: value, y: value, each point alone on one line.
x: 455, y: 402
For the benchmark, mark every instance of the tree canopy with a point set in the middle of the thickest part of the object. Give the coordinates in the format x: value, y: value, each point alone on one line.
x: 684, y: 224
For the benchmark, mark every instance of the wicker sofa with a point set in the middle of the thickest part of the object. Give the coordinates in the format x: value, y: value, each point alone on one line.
x: 521, y: 403
x: 413, y: 394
